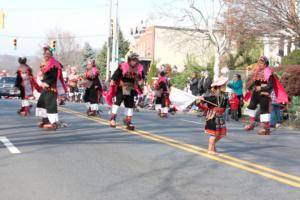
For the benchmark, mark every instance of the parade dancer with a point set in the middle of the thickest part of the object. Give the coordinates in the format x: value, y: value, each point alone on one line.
x: 39, y: 78
x: 261, y: 86
x: 52, y: 80
x: 26, y: 83
x: 126, y: 82
x: 93, y: 88
x: 61, y: 88
x: 215, y: 125
x: 73, y: 80
x: 162, y: 101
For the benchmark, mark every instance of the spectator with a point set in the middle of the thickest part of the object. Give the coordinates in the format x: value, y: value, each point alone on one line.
x: 206, y: 83
x: 276, y: 117
x: 4, y: 73
x: 237, y: 86
x: 168, y: 70
x: 227, y: 109
x: 234, y: 103
x: 162, y: 68
x: 200, y: 84
x: 175, y: 69
x: 194, y: 84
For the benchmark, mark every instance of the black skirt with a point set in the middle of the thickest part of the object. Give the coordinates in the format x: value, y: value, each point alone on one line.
x: 216, y: 126
x: 127, y: 99
x: 92, y: 95
x: 48, y: 101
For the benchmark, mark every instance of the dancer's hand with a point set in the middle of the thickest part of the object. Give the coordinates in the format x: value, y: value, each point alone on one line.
x: 200, y: 98
x: 112, y: 83
x: 265, y: 93
x: 258, y: 88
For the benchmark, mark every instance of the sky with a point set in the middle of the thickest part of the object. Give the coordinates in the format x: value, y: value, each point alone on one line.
x: 31, y: 20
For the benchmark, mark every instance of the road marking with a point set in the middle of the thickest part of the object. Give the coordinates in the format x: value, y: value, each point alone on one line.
x: 9, y: 145
x: 276, y: 175
x: 191, y: 121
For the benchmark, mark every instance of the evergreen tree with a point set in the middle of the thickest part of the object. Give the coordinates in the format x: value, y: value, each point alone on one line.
x: 87, y: 53
x: 292, y: 59
x: 101, y: 61
x: 123, y: 45
x: 153, y: 72
x: 102, y: 54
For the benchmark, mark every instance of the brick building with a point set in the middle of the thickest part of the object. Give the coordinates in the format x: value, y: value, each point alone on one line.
x: 170, y: 45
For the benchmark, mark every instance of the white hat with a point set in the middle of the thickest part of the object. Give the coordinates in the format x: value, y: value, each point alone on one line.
x: 220, y: 81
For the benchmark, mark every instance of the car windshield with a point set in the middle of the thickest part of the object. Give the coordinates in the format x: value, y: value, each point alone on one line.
x: 7, y: 80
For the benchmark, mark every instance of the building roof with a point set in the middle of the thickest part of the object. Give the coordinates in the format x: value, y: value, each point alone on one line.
x: 178, y: 28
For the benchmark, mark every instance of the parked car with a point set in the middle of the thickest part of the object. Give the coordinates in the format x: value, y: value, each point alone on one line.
x: 7, y: 87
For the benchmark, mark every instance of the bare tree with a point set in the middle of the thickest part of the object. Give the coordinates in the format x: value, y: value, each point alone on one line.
x: 234, y: 23
x: 272, y: 17
x: 217, y: 38
x: 242, y: 37
x: 68, y: 51
x: 203, y: 16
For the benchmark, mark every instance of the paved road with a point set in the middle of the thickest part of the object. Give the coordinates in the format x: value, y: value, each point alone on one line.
x: 88, y: 160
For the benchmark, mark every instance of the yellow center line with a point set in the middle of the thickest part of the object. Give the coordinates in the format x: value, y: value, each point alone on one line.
x: 223, y: 158
x: 234, y: 159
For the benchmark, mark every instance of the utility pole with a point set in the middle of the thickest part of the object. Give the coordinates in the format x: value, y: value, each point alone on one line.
x: 108, y: 44
x: 117, y: 34
x: 2, y: 18
x: 114, y: 62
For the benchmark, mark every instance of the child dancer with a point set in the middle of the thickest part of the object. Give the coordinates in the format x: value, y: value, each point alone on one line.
x: 216, y: 104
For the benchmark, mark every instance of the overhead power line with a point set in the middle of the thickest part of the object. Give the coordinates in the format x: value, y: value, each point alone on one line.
x: 33, y: 9
x: 45, y: 37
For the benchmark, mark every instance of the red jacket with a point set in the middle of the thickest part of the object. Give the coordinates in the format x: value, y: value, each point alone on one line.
x: 234, y: 101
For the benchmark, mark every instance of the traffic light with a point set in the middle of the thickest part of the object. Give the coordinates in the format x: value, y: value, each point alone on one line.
x: 53, y: 44
x: 15, y: 43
